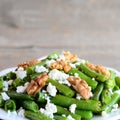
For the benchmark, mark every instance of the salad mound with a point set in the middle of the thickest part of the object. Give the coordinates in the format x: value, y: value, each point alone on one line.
x: 60, y: 87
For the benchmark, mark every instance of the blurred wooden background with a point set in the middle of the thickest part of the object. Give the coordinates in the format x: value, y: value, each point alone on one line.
x: 33, y: 28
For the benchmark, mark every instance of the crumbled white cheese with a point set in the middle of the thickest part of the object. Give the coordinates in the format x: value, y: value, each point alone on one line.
x: 79, y: 61
x: 5, y: 86
x: 110, y: 90
x: 78, y: 96
x: 21, y: 73
x: 60, y: 76
x: 91, y: 94
x: 12, y: 114
x: 46, y: 97
x: 72, y: 108
x: 117, y: 91
x: 5, y: 96
x: 76, y: 75
x: 51, y: 107
x: 10, y: 82
x: 49, y: 62
x: 72, y: 65
x: 93, y: 79
x: 47, y: 113
x: 21, y: 112
x: 104, y: 113
x: 70, y: 117
x: 115, y: 107
x: 49, y: 110
x: 51, y: 89
x: 21, y: 89
x: 40, y: 69
x: 63, y: 115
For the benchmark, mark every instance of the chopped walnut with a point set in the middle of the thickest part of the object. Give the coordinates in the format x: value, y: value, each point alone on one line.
x: 100, y: 69
x: 70, y: 57
x: 37, y: 84
x: 28, y: 63
x: 60, y: 65
x: 80, y: 86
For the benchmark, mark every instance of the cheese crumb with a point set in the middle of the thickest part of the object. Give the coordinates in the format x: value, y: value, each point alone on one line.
x: 70, y: 117
x: 115, y: 107
x: 51, y: 89
x: 21, y: 112
x: 60, y: 76
x: 5, y: 96
x: 21, y: 89
x: 40, y: 69
x: 72, y: 108
x: 76, y: 75
x: 50, y: 108
x: 21, y: 73
x: 12, y: 114
x: 104, y: 113
x: 49, y: 62
x: 78, y: 96
x: 5, y: 86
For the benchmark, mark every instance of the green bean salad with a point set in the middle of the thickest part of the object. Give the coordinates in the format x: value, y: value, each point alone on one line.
x: 60, y: 87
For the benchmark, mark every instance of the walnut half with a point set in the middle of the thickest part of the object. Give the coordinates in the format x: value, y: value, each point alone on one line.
x: 100, y: 69
x: 28, y: 64
x: 61, y: 65
x: 37, y: 84
x: 70, y: 57
x: 80, y: 86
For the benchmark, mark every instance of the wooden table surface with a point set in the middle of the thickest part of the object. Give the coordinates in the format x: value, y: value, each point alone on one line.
x: 33, y: 28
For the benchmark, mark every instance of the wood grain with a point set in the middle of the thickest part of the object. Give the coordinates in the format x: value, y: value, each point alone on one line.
x: 30, y: 29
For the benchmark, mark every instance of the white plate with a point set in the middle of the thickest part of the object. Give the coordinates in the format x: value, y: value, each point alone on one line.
x: 5, y: 116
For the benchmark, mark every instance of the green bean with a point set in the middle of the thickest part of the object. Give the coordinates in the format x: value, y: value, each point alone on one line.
x: 17, y: 82
x: 53, y: 55
x: 116, y: 88
x: 42, y: 62
x: 114, y: 99
x: 84, y: 114
x: 1, y: 101
x: 1, y: 78
x: 1, y: 84
x: 33, y: 76
x: 12, y: 75
x: 36, y: 116
x: 98, y: 91
x: 30, y: 70
x: 89, y: 81
x: 110, y: 84
x: 58, y: 117
x: 106, y: 96
x: 65, y: 90
x: 10, y: 105
x: 92, y: 105
x: 40, y: 97
x: 30, y: 105
x: 9, y: 76
x: 19, y: 96
x: 117, y: 80
x: 93, y: 74
x: 61, y: 111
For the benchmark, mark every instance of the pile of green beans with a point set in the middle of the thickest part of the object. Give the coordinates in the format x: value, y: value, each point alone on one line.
x: 105, y: 93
